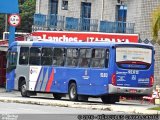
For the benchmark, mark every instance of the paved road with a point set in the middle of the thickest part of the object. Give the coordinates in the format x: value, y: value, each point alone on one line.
x: 126, y: 107
x: 18, y: 108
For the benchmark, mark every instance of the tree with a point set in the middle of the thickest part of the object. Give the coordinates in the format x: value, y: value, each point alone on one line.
x: 156, y: 24
x: 27, y: 10
x: 21, y: 2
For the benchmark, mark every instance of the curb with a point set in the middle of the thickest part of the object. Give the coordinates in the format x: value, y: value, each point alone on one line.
x: 85, y: 105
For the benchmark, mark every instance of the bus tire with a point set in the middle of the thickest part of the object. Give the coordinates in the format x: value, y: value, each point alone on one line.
x: 105, y: 99
x: 73, y: 96
x: 57, y: 96
x: 82, y: 98
x: 112, y: 100
x: 109, y: 99
x: 23, y: 89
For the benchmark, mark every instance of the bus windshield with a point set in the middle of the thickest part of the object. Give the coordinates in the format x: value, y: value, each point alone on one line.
x: 133, y: 57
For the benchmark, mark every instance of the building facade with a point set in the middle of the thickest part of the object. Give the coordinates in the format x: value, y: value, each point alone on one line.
x: 138, y: 12
x: 111, y: 16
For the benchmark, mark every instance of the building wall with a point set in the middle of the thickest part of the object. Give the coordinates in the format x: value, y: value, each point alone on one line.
x: 109, y: 10
x: 134, y: 13
x: 138, y: 12
x: 157, y: 64
x: 73, y: 9
x: 42, y: 7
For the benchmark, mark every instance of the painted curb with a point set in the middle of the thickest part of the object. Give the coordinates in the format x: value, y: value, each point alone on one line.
x: 85, y: 105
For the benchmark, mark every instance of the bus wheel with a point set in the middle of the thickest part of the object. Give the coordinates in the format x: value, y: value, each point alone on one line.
x: 105, y: 99
x: 73, y: 92
x: 56, y: 96
x: 109, y: 99
x: 82, y: 98
x: 23, y: 89
x: 113, y: 99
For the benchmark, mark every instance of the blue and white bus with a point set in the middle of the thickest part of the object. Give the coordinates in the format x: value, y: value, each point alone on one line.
x: 81, y: 70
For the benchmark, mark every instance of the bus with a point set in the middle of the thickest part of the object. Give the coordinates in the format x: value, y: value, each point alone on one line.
x: 81, y: 69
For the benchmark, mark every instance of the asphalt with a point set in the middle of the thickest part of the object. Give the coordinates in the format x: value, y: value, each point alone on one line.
x: 129, y: 107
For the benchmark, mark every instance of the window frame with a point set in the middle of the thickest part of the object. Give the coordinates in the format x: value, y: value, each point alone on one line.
x: 84, y: 61
x: 74, y: 58
x: 64, y: 5
x: 24, y: 56
x: 103, y: 59
x: 43, y: 61
x: 35, y: 56
x: 62, y: 62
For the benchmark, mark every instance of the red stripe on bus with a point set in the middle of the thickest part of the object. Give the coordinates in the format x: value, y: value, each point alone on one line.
x: 49, y: 84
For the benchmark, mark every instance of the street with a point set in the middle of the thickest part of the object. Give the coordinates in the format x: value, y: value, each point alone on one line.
x: 13, y: 103
x: 19, y: 108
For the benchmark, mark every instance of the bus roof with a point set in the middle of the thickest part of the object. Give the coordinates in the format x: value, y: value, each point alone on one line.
x: 74, y: 44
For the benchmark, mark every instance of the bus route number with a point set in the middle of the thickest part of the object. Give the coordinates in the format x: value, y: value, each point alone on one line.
x: 103, y: 75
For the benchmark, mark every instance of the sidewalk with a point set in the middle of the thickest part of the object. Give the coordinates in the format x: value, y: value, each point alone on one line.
x: 47, y: 99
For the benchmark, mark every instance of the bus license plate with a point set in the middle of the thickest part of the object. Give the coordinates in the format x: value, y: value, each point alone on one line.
x: 132, y: 91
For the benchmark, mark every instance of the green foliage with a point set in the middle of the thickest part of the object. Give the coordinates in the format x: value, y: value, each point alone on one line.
x: 27, y: 10
x: 155, y: 108
x: 156, y: 24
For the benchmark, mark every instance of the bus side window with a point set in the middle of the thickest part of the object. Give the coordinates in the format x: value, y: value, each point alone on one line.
x: 85, y: 55
x: 46, y: 58
x: 98, y: 58
x: 72, y: 57
x: 107, y: 59
x: 58, y: 56
x: 24, y: 55
x: 35, y: 56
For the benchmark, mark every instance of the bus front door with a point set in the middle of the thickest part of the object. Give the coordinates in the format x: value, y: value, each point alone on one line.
x: 11, y: 66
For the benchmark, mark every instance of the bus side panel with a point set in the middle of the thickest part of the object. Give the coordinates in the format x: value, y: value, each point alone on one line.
x: 63, y: 76
x: 89, y: 81
x: 99, y: 81
x: 22, y: 71
x: 10, y: 82
x: 59, y: 83
x: 41, y: 78
x: 83, y: 76
x: 48, y: 79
